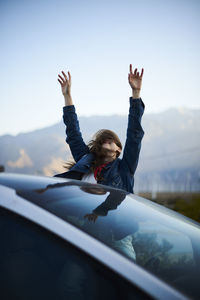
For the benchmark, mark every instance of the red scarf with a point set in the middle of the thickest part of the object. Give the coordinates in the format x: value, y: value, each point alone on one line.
x: 98, y: 169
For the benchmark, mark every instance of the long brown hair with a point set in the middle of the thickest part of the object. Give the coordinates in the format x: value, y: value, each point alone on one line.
x: 95, y: 147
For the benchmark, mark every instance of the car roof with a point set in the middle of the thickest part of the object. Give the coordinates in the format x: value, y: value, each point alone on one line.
x: 33, y: 182
x: 156, y: 287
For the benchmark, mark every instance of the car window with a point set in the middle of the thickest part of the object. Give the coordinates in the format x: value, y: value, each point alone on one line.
x: 166, y: 253
x: 152, y: 238
x: 36, y: 264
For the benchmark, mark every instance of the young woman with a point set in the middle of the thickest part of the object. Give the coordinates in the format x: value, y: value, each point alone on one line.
x: 99, y: 161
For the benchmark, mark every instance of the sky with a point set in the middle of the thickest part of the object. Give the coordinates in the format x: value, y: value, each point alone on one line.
x: 96, y: 41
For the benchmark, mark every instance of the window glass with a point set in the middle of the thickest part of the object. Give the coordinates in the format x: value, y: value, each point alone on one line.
x: 35, y: 264
x: 165, y: 252
x: 150, y: 236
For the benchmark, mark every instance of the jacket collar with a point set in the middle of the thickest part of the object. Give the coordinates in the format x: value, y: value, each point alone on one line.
x: 84, y: 164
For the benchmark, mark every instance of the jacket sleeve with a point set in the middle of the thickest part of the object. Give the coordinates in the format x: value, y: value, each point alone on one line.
x: 134, y: 135
x: 74, y: 137
x: 113, y: 200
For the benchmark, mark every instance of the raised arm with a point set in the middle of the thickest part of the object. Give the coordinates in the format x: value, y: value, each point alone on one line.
x: 135, y: 132
x: 74, y: 137
x: 66, y: 87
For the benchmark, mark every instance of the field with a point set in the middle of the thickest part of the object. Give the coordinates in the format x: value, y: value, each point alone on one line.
x: 185, y: 203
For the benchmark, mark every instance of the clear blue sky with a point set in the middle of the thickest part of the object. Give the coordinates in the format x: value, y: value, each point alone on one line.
x: 96, y: 41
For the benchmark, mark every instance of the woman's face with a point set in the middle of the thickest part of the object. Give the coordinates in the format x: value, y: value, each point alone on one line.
x: 110, y: 145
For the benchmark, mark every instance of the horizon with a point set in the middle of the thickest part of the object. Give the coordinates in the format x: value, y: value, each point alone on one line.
x: 178, y: 109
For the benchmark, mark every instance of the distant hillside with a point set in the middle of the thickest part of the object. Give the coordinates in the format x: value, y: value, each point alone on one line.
x: 169, y: 159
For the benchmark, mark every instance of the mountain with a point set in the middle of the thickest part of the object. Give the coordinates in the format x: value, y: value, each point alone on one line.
x: 169, y: 157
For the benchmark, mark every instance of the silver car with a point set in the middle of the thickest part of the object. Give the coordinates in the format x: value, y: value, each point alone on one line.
x: 69, y: 239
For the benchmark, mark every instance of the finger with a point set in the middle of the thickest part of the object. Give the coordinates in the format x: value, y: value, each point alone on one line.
x: 131, y: 69
x: 64, y: 75
x: 142, y: 72
x: 135, y: 72
x: 60, y: 82
x: 61, y: 78
x: 69, y: 77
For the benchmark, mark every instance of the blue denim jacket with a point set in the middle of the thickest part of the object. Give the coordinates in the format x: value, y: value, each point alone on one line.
x: 118, y: 173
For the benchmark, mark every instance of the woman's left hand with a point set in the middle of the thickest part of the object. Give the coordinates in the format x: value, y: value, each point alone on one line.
x: 91, y: 217
x: 135, y: 79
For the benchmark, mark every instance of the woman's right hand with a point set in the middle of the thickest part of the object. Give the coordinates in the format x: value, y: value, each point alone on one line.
x: 65, y: 83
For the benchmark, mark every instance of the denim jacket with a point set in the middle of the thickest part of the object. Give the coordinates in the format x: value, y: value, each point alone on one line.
x: 118, y: 173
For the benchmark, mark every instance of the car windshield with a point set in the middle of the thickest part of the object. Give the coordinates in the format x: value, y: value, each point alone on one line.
x: 149, y: 235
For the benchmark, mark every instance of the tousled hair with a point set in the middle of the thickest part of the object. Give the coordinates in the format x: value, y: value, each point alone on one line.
x: 95, y: 147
